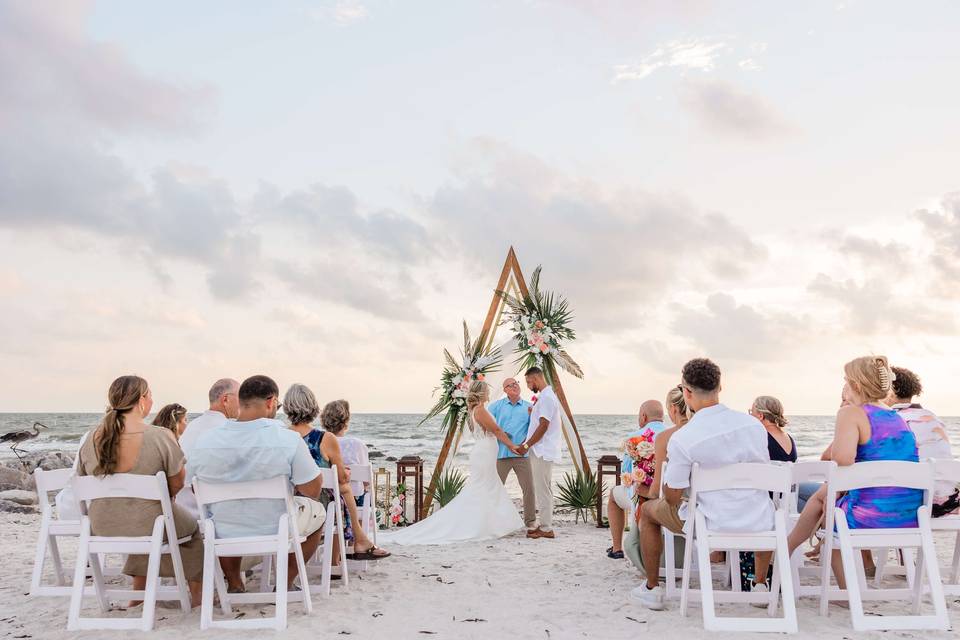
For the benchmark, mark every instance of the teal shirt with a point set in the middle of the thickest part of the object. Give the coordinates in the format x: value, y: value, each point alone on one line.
x: 514, y: 419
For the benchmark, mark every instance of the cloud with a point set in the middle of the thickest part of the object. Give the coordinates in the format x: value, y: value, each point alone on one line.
x: 612, y: 253
x: 874, y: 305
x: 942, y: 226
x: 725, y: 109
x: 733, y: 331
x: 749, y: 64
x: 341, y: 12
x: 693, y: 54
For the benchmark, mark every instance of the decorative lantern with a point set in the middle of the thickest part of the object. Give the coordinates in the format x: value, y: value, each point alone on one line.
x: 382, y: 497
x: 606, y: 466
x: 410, y: 471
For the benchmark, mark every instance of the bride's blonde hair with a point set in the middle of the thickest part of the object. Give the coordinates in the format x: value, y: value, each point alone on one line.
x: 477, y: 394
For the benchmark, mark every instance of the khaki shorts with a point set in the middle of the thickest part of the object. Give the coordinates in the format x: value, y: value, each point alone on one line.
x: 311, y: 515
x: 667, y: 514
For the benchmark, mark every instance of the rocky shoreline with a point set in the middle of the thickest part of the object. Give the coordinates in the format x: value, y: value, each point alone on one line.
x: 18, y: 491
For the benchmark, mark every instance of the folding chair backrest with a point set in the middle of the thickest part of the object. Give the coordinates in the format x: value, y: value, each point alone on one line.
x: 330, y: 479
x: 276, y: 487
x: 121, y: 485
x: 884, y: 473
x: 807, y: 471
x: 945, y: 471
x: 762, y: 476
x: 361, y: 473
x: 49, y: 482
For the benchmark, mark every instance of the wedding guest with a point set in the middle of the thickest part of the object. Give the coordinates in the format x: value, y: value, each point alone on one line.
x: 714, y: 437
x: 354, y: 452
x: 769, y: 411
x: 620, y: 500
x: 866, y: 430
x: 544, y: 445
x: 932, y: 439
x: 172, y: 417
x: 224, y: 405
x: 302, y: 409
x: 256, y: 447
x: 512, y: 414
x: 124, y: 443
x: 679, y: 415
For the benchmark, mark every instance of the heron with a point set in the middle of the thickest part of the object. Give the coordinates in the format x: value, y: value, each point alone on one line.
x: 16, y: 437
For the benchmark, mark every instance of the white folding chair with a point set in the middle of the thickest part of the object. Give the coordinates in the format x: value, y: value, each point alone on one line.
x: 729, y: 573
x: 277, y: 546
x: 801, y: 472
x: 367, y: 513
x: 949, y: 470
x: 51, y: 527
x: 126, y: 485
x: 322, y: 561
x: 863, y: 475
x: 759, y: 477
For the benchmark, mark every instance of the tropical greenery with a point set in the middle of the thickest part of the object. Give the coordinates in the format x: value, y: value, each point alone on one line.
x: 541, y: 324
x: 476, y: 362
x: 448, y: 486
x: 578, y: 493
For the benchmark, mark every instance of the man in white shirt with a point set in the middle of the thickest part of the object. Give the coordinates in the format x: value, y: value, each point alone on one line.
x: 224, y: 405
x: 255, y: 447
x: 543, y: 443
x: 715, y: 436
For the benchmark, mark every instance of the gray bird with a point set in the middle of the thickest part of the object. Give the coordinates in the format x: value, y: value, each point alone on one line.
x: 16, y: 437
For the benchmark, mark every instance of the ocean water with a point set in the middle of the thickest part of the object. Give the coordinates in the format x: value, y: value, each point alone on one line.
x: 396, y: 435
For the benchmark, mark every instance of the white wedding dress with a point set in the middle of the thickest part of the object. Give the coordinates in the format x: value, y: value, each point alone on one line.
x: 481, y: 511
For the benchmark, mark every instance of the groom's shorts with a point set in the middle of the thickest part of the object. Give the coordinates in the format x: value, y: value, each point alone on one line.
x: 667, y: 514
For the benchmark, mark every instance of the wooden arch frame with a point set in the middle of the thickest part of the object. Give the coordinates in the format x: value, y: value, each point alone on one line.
x: 511, y: 280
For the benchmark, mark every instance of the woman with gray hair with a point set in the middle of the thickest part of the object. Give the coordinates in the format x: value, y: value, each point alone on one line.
x: 301, y: 409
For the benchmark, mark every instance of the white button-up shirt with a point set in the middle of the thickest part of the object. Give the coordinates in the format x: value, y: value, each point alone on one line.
x: 547, y: 406
x: 205, y: 422
x: 714, y: 437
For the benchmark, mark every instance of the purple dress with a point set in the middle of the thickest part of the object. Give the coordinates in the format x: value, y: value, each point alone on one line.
x: 884, y: 507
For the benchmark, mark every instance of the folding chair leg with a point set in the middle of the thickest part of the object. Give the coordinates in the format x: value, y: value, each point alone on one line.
x: 43, y: 541
x: 685, y: 575
x: 918, y: 584
x: 281, y: 586
x: 783, y: 568
x: 853, y: 583
x: 79, y: 579
x: 209, y: 573
x: 928, y: 552
x: 98, y: 585
x: 266, y: 568
x: 706, y: 586
x: 150, y: 593
x: 955, y: 573
x: 57, y: 563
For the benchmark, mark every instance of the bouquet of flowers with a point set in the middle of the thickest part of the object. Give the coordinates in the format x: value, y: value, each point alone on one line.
x: 541, y: 324
x: 641, y: 451
x: 398, y: 516
x: 475, y: 364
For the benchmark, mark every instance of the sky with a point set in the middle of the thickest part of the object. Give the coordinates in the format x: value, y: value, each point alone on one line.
x: 323, y: 191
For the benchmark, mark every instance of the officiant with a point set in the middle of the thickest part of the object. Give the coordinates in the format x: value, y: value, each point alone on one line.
x: 512, y: 414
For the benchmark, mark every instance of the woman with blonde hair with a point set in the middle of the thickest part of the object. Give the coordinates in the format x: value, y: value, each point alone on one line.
x: 866, y: 430
x: 124, y: 443
x: 482, y: 510
x: 172, y: 417
x: 769, y: 411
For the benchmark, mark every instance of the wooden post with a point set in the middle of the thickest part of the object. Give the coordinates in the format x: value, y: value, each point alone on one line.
x: 606, y: 465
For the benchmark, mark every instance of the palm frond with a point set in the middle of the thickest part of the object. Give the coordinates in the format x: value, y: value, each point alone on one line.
x: 565, y: 362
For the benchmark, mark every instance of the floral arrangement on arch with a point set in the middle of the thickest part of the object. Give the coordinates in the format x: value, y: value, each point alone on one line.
x: 641, y: 451
x: 541, y: 325
x: 475, y: 364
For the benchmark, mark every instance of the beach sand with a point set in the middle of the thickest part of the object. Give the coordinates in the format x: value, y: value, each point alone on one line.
x: 508, y: 588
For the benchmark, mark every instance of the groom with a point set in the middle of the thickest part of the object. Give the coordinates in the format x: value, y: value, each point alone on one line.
x: 544, y: 447
x: 512, y: 414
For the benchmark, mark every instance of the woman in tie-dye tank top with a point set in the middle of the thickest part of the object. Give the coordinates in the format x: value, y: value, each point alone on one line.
x: 867, y: 430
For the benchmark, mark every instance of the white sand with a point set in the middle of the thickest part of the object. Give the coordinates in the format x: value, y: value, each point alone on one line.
x: 514, y: 587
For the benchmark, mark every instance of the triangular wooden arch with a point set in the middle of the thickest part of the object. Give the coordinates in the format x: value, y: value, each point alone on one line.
x: 511, y: 280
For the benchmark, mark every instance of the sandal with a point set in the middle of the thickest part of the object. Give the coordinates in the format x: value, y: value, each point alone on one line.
x: 369, y: 554
x: 616, y: 555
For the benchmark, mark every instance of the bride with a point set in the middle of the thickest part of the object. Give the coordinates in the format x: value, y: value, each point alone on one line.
x: 482, y: 510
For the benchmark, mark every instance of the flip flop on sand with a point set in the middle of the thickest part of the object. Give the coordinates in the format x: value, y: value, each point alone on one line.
x: 369, y: 554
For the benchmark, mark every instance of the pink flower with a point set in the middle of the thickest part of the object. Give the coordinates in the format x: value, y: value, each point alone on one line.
x: 531, y: 342
x: 539, y: 324
x: 481, y: 377
x: 533, y: 400
x: 544, y: 347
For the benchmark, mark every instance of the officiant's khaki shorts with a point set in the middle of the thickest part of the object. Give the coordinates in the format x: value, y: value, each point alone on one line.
x: 667, y: 514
